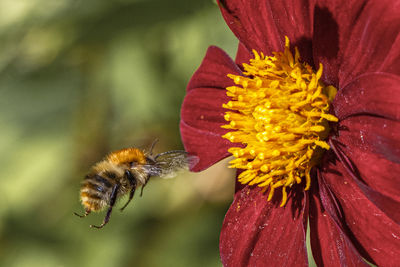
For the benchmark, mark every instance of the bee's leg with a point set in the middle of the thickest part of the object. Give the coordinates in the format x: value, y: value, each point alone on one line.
x: 133, y: 183
x: 84, y: 215
x: 113, y: 198
x: 141, y: 189
x: 147, y: 180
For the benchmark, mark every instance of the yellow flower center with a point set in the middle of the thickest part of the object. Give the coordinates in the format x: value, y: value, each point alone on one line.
x: 279, y: 111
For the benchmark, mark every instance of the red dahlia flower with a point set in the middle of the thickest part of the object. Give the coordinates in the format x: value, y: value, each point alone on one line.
x: 302, y: 153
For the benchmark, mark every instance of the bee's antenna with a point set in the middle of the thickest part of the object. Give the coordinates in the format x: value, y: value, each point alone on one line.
x: 152, y: 146
x: 84, y: 215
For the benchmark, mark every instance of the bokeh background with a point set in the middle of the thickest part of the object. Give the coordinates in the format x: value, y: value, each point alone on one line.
x: 80, y: 78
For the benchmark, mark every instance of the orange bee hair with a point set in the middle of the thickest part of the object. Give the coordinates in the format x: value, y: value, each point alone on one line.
x: 126, y: 155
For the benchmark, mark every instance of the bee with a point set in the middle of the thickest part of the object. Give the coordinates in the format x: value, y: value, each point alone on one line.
x: 122, y: 172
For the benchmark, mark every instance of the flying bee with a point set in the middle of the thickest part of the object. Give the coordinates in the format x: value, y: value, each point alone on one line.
x: 122, y: 172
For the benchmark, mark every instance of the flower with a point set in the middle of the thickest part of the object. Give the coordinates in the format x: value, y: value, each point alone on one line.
x: 351, y: 198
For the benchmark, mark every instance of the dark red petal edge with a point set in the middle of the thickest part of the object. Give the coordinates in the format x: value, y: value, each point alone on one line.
x: 329, y: 242
x: 373, y: 233
x: 256, y: 232
x: 202, y: 114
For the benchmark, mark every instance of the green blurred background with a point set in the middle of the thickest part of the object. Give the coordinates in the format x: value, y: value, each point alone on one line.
x: 79, y: 79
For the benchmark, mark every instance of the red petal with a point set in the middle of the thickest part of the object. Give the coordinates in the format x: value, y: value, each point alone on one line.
x: 202, y: 114
x: 243, y: 55
x: 373, y: 43
x: 352, y: 37
x: 377, y: 94
x: 256, y: 232
x: 262, y: 25
x: 369, y: 108
x: 372, y: 145
x: 213, y: 70
x: 330, y: 245
x: 376, y: 236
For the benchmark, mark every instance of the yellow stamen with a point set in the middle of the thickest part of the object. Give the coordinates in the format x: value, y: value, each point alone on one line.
x: 280, y: 110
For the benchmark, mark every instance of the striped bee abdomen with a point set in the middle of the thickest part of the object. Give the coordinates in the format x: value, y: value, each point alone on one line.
x: 96, y: 190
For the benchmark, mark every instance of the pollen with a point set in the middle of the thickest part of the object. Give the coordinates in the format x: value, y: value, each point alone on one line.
x: 279, y: 112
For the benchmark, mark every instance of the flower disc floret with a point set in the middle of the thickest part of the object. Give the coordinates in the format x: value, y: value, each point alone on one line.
x: 279, y: 111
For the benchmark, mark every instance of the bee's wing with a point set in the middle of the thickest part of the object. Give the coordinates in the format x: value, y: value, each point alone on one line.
x: 167, y: 164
